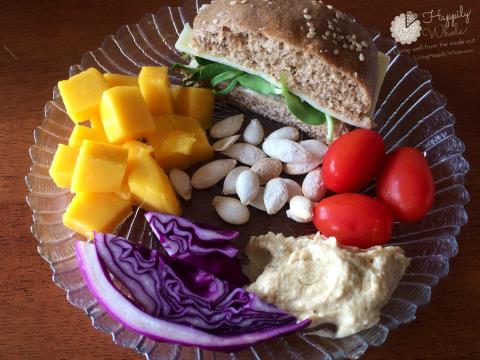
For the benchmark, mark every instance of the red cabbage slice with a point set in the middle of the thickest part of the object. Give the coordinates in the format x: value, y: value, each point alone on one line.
x: 174, y: 302
x: 202, y: 246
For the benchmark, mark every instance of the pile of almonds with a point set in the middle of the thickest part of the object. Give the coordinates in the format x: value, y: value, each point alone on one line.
x: 258, y: 182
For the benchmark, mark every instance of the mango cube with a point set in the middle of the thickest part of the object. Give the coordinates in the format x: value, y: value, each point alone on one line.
x: 194, y: 102
x: 178, y: 142
x: 155, y: 88
x: 100, y: 168
x: 63, y: 164
x: 151, y: 187
x: 96, y: 123
x: 125, y: 115
x: 120, y: 80
x: 174, y: 150
x: 201, y: 149
x: 81, y: 133
x: 171, y: 159
x: 101, y: 212
x: 82, y: 94
x: 135, y: 149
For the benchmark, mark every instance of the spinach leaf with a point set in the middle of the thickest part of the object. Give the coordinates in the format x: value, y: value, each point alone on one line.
x: 257, y: 84
x: 227, y: 75
x: 202, y: 61
x: 208, y: 72
x: 301, y: 109
x: 229, y: 88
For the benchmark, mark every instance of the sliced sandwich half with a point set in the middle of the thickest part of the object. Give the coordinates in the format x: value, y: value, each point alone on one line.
x: 298, y: 62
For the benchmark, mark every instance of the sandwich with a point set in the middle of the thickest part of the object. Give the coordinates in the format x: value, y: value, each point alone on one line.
x: 298, y: 62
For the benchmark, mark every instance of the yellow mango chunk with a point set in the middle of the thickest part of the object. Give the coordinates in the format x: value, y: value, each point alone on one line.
x: 201, y: 149
x: 120, y: 80
x: 171, y: 159
x: 101, y: 212
x: 63, y: 164
x: 125, y: 115
x: 151, y: 187
x: 175, y: 149
x: 82, y: 94
x: 178, y: 142
x: 155, y: 87
x: 135, y: 149
x: 81, y: 133
x: 100, y: 168
x: 194, y: 102
x: 96, y: 123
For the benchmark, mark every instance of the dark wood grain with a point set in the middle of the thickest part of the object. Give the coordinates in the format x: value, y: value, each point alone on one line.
x: 39, y: 40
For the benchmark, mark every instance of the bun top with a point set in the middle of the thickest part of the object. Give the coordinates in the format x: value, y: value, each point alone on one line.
x: 309, y: 25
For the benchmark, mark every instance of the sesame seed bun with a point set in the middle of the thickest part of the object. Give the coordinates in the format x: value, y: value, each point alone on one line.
x: 326, y: 56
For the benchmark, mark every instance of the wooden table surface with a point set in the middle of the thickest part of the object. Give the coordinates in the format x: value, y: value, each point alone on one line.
x: 39, y: 40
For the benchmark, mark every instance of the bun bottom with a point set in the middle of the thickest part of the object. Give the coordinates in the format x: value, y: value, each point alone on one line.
x: 273, y: 108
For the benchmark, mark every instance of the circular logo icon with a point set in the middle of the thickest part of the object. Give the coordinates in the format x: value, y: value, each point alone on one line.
x: 406, y: 28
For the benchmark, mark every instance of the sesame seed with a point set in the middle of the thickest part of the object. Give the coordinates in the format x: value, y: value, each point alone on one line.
x: 351, y: 47
x: 335, y: 21
x: 364, y: 43
x: 338, y: 29
x: 361, y: 57
x: 324, y: 37
x: 305, y: 11
x: 233, y: 2
x: 354, y: 37
x: 331, y: 27
x: 355, y: 74
x: 330, y: 7
x: 335, y: 42
x: 336, y: 51
x: 345, y: 46
x: 307, y: 16
x: 309, y: 23
x: 327, y: 33
x: 215, y: 21
x: 310, y: 35
x: 341, y: 37
x: 311, y: 29
x: 337, y: 15
x: 334, y: 35
x: 244, y: 1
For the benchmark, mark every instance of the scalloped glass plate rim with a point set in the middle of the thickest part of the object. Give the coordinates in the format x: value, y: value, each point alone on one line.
x: 47, y: 220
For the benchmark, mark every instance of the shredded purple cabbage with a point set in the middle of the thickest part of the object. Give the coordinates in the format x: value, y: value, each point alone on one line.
x: 173, y: 291
x: 201, y: 246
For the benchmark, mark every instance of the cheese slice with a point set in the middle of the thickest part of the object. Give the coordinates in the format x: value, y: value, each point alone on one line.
x: 184, y: 44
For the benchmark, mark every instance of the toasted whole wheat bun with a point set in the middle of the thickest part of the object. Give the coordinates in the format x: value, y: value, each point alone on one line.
x: 326, y: 56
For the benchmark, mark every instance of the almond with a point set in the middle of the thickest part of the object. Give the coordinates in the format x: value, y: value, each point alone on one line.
x: 286, y: 151
x: 211, y: 173
x: 227, y: 127
x: 267, y: 169
x: 254, y: 132
x: 231, y: 210
x: 245, y: 153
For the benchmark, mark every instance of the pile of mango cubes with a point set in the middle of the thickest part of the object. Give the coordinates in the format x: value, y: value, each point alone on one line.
x: 129, y: 131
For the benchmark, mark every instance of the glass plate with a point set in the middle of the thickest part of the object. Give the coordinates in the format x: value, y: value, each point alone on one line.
x: 409, y: 112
